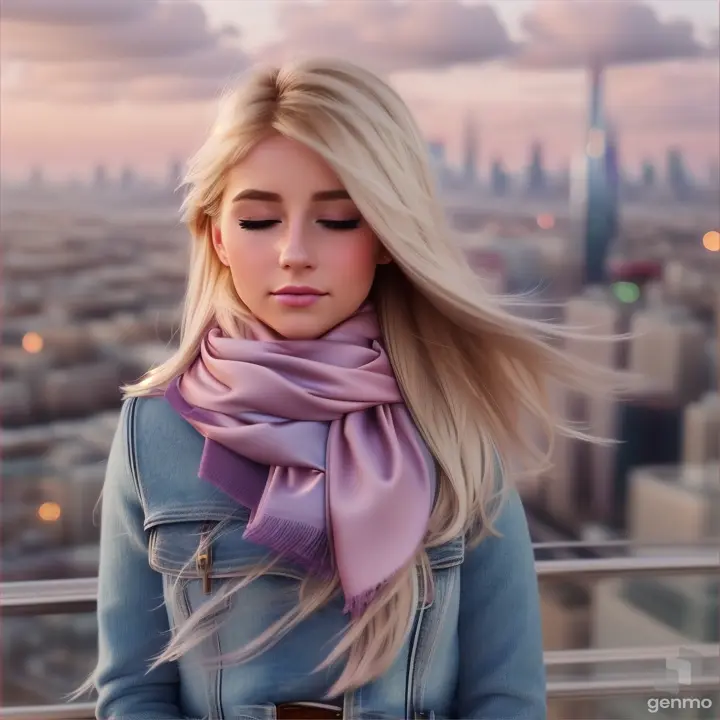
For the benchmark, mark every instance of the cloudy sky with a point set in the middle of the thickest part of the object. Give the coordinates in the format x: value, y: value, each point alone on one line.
x: 134, y: 81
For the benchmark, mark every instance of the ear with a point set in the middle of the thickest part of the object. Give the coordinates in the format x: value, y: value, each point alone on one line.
x: 218, y: 245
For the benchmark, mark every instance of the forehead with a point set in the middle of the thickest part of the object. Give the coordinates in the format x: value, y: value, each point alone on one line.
x: 281, y: 165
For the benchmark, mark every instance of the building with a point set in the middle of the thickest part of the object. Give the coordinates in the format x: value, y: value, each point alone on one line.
x: 669, y: 351
x: 595, y: 187
x: 536, y: 183
x: 668, y: 505
x: 499, y: 179
x: 598, y: 312
x: 469, y: 173
x: 678, y: 179
x: 701, y: 430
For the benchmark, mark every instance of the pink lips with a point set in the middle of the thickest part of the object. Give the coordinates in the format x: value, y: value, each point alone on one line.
x: 298, y: 296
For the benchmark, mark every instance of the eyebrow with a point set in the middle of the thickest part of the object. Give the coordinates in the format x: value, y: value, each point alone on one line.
x: 322, y: 196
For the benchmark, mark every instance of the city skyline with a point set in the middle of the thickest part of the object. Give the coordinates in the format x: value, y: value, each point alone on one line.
x: 662, y: 78
x: 469, y: 170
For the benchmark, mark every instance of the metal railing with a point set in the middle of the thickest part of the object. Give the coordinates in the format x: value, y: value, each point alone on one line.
x: 588, y: 680
x: 581, y: 689
x: 80, y: 595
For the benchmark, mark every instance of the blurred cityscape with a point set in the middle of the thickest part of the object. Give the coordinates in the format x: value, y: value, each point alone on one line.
x: 93, y: 276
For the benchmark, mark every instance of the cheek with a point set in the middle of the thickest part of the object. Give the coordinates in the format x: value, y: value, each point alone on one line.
x: 249, y: 266
x: 244, y: 252
x: 357, y: 258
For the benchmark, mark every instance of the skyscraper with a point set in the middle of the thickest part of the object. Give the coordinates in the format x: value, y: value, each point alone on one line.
x: 470, y: 151
x: 498, y: 178
x: 37, y: 178
x: 536, y: 179
x: 127, y: 179
x: 649, y: 175
x: 100, y: 177
x: 599, y: 194
x: 438, y: 161
x: 714, y: 173
x: 678, y: 179
x: 174, y: 174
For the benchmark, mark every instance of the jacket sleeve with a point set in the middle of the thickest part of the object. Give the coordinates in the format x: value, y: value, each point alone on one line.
x: 132, y: 622
x: 502, y: 672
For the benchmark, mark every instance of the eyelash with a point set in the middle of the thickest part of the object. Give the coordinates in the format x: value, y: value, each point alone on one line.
x: 352, y: 224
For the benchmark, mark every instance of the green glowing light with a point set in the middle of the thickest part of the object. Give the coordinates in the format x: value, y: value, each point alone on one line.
x: 626, y: 292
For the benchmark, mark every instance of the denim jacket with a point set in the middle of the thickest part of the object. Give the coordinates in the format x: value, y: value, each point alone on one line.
x: 474, y: 650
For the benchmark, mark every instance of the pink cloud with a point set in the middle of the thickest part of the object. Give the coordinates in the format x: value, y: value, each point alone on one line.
x: 83, y: 50
x: 565, y: 34
x: 389, y: 36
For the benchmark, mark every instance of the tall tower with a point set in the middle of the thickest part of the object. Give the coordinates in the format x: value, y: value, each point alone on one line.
x: 498, y: 178
x: 174, y: 174
x: 37, y: 178
x: 601, y: 185
x: 677, y: 175
x: 649, y: 174
x: 613, y: 179
x: 536, y: 179
x: 127, y: 179
x: 470, y: 151
x: 438, y: 162
x: 100, y: 179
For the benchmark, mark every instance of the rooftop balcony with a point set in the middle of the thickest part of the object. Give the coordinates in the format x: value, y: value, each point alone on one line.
x: 611, y: 675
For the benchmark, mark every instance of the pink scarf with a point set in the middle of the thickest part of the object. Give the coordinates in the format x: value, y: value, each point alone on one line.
x: 350, y: 483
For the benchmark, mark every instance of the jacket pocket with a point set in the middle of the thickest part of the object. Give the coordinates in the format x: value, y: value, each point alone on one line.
x: 204, y: 554
x: 199, y: 560
x: 208, y: 550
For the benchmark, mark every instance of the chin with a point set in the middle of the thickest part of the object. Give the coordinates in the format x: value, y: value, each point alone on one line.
x: 300, y: 334
x: 300, y: 328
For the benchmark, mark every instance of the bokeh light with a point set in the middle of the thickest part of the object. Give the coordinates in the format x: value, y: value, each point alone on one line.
x: 49, y: 512
x: 32, y: 342
x: 626, y: 292
x: 711, y: 241
x: 546, y: 221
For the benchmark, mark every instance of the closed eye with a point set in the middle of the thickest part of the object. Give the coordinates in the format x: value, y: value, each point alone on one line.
x: 351, y: 224
x: 257, y: 224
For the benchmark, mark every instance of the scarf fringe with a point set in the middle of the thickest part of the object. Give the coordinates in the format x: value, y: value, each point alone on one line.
x: 358, y: 604
x: 303, y: 544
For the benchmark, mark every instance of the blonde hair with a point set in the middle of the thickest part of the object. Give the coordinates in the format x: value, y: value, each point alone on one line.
x: 470, y: 366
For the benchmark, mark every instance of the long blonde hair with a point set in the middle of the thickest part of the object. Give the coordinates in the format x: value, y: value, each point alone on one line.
x: 469, y: 365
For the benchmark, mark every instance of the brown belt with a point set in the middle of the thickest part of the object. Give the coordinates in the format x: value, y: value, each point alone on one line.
x: 308, y: 711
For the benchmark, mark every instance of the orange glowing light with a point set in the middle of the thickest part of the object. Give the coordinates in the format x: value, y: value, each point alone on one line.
x: 546, y: 221
x: 711, y: 241
x: 32, y: 342
x: 49, y: 512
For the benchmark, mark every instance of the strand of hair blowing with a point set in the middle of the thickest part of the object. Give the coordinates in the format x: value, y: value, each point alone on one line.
x: 469, y: 366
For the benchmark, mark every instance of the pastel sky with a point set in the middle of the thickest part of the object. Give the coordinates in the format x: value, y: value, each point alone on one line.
x: 135, y: 81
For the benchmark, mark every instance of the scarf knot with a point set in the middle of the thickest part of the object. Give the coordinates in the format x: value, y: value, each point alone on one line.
x: 314, y: 438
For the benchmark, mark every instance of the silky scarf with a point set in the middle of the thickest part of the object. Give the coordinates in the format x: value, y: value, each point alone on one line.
x: 314, y: 438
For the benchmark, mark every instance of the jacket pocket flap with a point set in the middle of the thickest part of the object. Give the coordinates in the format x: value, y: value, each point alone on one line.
x: 214, y: 549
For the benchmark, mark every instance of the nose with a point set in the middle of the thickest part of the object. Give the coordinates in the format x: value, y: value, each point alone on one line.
x: 295, y: 247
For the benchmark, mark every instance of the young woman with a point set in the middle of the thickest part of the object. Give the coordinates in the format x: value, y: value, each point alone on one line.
x: 304, y: 513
